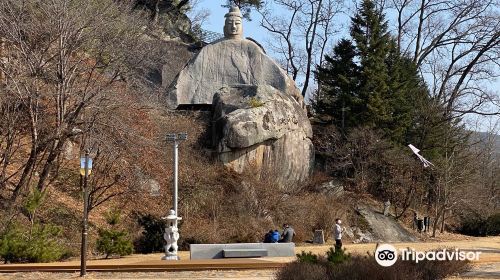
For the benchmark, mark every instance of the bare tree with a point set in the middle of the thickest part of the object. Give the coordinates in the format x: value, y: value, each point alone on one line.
x: 198, y: 16
x: 456, y: 44
x: 157, y: 7
x: 63, y: 59
x: 302, y: 34
x: 484, y: 196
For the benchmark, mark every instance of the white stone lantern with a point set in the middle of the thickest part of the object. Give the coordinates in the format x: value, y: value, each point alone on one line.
x: 171, y: 236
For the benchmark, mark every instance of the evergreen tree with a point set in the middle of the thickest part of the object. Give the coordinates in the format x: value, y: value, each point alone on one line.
x: 368, y: 82
x: 113, y: 241
x: 406, y: 89
x: 245, y: 6
x: 339, y: 78
x: 369, y: 32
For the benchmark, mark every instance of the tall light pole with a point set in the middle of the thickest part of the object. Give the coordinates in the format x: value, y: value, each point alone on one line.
x: 175, y: 139
x: 85, y: 170
x: 171, y: 232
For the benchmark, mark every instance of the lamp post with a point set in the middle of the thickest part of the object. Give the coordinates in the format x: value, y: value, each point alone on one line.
x: 171, y: 232
x: 85, y: 170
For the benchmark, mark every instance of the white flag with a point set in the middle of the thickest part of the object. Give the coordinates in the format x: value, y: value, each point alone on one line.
x: 422, y: 159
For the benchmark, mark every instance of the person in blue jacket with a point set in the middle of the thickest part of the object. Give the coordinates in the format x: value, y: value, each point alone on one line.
x: 275, y: 236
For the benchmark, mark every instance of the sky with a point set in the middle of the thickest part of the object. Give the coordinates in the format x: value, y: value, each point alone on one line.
x: 252, y: 29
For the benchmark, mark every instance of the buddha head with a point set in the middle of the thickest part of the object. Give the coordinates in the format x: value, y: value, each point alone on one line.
x: 233, y: 27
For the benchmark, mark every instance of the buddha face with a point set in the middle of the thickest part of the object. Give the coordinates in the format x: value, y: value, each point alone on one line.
x: 233, y: 29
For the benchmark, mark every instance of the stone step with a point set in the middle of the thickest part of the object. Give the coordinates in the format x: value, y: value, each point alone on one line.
x: 244, y: 253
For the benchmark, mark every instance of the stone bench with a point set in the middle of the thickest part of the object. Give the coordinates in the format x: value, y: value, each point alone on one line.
x: 241, y: 250
x: 244, y: 253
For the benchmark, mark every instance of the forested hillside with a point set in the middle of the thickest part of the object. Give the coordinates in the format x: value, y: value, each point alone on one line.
x: 92, y: 76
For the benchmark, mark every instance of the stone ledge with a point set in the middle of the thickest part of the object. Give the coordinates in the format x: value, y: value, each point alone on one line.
x: 244, y: 253
x: 216, y: 251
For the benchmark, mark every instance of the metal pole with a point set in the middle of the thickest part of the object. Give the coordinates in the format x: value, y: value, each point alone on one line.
x: 83, y: 253
x: 176, y: 170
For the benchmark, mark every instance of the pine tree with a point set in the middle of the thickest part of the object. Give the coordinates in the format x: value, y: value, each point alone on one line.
x: 339, y: 78
x: 406, y: 89
x: 369, y: 32
x: 368, y: 82
x: 245, y: 6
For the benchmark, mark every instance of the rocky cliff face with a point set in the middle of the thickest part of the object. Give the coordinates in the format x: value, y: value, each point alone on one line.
x: 226, y: 63
x: 264, y: 129
x: 259, y: 117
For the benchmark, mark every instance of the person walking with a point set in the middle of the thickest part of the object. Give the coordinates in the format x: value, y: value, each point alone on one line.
x: 337, y: 233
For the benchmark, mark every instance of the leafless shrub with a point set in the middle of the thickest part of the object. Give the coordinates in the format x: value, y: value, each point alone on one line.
x: 365, y: 267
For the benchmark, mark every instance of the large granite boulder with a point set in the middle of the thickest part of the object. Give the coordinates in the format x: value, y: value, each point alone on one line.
x: 227, y: 63
x: 265, y: 130
x: 259, y: 117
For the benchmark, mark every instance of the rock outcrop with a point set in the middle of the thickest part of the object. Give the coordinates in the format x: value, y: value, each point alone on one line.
x: 226, y: 63
x: 383, y: 228
x: 259, y: 117
x: 262, y: 128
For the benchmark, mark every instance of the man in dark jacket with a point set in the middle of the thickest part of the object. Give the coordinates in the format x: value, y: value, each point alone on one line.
x: 287, y: 235
x: 268, y: 238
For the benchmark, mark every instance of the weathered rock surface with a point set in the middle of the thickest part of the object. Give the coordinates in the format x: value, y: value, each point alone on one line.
x: 263, y: 129
x: 227, y: 63
x: 259, y: 116
x: 332, y: 188
x: 358, y: 236
x: 383, y: 228
x: 178, y: 54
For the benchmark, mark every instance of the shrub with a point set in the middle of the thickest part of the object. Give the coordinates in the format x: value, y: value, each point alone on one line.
x: 13, y: 246
x: 474, y: 226
x: 302, y: 271
x: 41, y: 245
x: 493, y: 225
x: 151, y: 239
x: 114, y: 242
x: 337, y: 256
x: 254, y: 102
x: 367, y: 268
x: 359, y: 267
x: 113, y: 217
x: 477, y: 226
x: 308, y: 257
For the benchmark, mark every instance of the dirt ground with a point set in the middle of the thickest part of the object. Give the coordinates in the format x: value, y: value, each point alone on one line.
x: 488, y: 266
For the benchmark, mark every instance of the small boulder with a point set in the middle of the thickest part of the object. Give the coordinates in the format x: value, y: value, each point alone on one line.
x: 331, y: 188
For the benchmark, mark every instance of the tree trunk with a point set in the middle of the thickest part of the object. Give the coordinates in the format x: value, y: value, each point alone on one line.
x: 25, y: 175
x: 442, y: 221
x: 310, y: 49
x: 156, y: 12
x: 54, y: 153
x: 416, y: 54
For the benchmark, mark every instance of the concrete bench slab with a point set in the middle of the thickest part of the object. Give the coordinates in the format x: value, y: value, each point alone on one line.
x: 244, y: 253
x: 216, y: 251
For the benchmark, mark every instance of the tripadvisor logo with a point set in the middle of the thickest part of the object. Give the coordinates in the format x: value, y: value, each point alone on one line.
x: 387, y: 255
